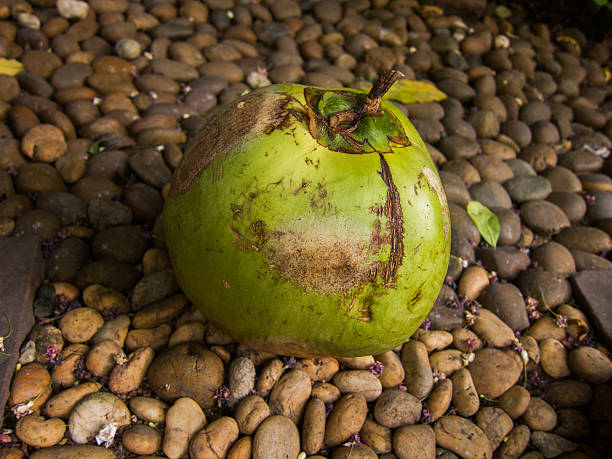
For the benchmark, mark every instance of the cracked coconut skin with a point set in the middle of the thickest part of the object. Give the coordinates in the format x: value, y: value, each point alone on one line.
x: 309, y: 222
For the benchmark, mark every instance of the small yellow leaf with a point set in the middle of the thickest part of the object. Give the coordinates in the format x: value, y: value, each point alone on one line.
x: 410, y: 92
x: 571, y: 40
x: 10, y: 67
x: 431, y: 11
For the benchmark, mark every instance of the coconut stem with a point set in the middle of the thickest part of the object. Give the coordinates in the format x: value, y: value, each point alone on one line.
x: 348, y: 120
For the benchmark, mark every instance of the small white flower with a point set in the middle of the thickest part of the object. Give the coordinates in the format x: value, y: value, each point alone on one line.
x: 467, y: 358
x: 524, y: 356
x: 121, y: 359
x: 2, y: 343
x: 258, y: 79
x: 96, y: 101
x: 28, y: 353
x: 459, y: 35
x: 501, y: 41
x: 598, y: 150
x: 107, y: 434
x: 23, y: 409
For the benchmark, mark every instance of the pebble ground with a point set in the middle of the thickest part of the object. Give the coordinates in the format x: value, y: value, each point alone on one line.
x: 506, y: 365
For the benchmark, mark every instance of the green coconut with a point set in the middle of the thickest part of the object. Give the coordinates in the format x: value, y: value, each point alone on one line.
x: 310, y: 221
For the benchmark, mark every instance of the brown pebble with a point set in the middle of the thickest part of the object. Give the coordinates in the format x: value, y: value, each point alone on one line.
x: 346, y: 419
x: 465, y: 397
x: 414, y: 442
x: 141, y: 439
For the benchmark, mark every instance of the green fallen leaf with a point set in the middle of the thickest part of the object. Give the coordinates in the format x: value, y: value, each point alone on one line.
x: 410, y: 92
x: 10, y: 67
x: 486, y: 222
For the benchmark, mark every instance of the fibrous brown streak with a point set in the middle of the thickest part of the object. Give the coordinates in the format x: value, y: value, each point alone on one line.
x: 226, y: 130
x: 395, y: 226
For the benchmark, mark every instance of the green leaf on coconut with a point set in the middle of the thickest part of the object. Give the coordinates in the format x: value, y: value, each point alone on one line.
x: 486, y: 222
x: 10, y: 67
x: 410, y: 92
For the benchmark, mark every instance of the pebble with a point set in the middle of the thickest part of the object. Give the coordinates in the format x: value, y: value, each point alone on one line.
x: 81, y: 324
x: 93, y: 412
x: 465, y: 227
x: 551, y: 445
x: 39, y: 432
x: 414, y: 441
x: 457, y: 147
x: 571, y: 203
x: 121, y: 242
x: 539, y: 415
x: 291, y: 393
x: 530, y: 188
x: 215, y: 439
x: 515, y: 401
x: 447, y: 361
x: 74, y: 452
x: 554, y: 257
x: 585, y: 261
x: 585, y: 238
x: 141, y: 439
x: 515, y: 443
x: 183, y: 419
x: 545, y: 286
x: 506, y: 302
x: 395, y: 408
x: 419, y: 378
x: 492, y: 329
x: 590, y: 364
x: 464, y: 397
x: 148, y: 409
x: 495, y: 423
x: 393, y: 372
x: 544, y: 217
x: 61, y: 404
x: 492, y: 168
x: 491, y: 194
x: 435, y: 339
x: 463, y: 437
x: 510, y: 226
x: 313, y: 429
x: 346, y: 418
x: 128, y: 376
x: 506, y: 262
x: 546, y: 328
x: 554, y: 359
x: 358, y: 381
x: 493, y: 372
x: 563, y: 179
x: 172, y: 375
x: 572, y: 424
x: 473, y: 281
x: 466, y: 340
x: 102, y: 357
x: 439, y: 400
